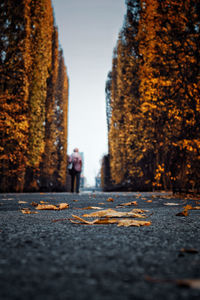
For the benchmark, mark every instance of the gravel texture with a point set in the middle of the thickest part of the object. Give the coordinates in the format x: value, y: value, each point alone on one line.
x: 42, y: 259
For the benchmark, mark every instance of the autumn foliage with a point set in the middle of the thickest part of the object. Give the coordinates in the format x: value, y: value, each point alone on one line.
x: 33, y: 99
x: 152, y: 99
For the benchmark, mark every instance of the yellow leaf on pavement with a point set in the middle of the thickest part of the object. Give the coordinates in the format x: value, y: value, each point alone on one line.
x: 187, y: 207
x: 171, y: 204
x: 191, y: 283
x: 63, y: 206
x: 189, y: 250
x: 120, y: 222
x: 128, y: 204
x: 110, y: 199
x: 129, y: 222
x: 92, y: 207
x: 52, y: 207
x: 183, y: 213
x: 28, y: 212
x: 111, y: 213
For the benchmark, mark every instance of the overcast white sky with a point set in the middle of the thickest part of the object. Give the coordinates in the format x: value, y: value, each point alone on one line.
x: 88, y: 31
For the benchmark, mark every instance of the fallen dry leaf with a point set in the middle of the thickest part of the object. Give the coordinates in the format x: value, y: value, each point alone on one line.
x: 96, y: 221
x: 111, y: 213
x: 43, y: 202
x: 139, y: 210
x: 196, y: 207
x: 28, y: 212
x: 61, y: 206
x: 129, y: 222
x: 190, y: 250
x: 101, y: 203
x: 110, y: 199
x: 183, y: 213
x: 188, y: 207
x: 128, y: 204
x: 138, y: 195
x: 22, y: 202
x: 92, y: 207
x: 149, y: 201
x: 191, y: 283
x: 58, y: 220
x: 120, y: 222
x: 171, y: 204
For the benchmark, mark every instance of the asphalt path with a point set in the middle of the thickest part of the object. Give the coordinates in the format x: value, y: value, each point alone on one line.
x: 45, y: 256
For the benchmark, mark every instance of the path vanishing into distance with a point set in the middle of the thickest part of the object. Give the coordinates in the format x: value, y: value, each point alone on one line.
x: 50, y: 254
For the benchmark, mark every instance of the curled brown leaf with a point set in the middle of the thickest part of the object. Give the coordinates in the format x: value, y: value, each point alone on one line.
x: 128, y: 204
x: 61, y: 206
x: 111, y: 213
x: 120, y: 222
x: 110, y: 199
x: 28, y: 212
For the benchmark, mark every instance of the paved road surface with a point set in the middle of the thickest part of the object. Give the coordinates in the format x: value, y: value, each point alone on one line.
x: 41, y: 259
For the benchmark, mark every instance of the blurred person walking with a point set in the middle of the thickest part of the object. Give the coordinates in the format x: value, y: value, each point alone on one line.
x: 75, y: 160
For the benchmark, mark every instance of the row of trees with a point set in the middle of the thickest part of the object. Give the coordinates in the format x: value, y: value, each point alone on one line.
x: 153, y: 98
x: 33, y: 98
